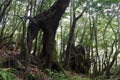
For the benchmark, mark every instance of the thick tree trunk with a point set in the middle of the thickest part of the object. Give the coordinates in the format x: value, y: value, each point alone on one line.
x: 48, y: 22
x: 48, y: 48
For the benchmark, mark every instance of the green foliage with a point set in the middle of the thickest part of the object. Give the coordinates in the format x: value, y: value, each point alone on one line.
x: 62, y: 76
x: 4, y: 75
x: 56, y: 75
x: 78, y: 78
x: 115, y: 69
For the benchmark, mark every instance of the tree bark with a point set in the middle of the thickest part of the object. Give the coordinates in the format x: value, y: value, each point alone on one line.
x: 48, y: 22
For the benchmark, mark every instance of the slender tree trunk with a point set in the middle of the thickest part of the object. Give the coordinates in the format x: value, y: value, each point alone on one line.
x: 3, y: 10
x: 69, y: 44
x: 70, y: 39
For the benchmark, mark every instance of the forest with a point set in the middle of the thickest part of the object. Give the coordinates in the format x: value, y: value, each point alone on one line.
x: 59, y: 39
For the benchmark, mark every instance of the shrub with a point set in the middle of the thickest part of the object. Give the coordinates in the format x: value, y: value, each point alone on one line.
x: 55, y: 75
x: 5, y: 75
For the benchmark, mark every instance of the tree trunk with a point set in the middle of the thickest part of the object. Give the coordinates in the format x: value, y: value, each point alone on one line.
x: 70, y: 39
x: 48, y: 22
x: 3, y: 10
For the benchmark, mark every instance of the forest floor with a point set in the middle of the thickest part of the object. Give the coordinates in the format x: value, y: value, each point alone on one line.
x: 12, y: 69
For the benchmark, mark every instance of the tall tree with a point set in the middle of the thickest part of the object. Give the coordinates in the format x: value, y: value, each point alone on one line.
x: 48, y: 22
x: 71, y: 35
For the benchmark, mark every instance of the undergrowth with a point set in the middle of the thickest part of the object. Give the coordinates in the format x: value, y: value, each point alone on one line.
x: 5, y: 75
x: 13, y: 74
x: 61, y: 76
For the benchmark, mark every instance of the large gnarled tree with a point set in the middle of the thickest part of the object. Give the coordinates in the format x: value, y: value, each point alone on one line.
x: 48, y: 22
